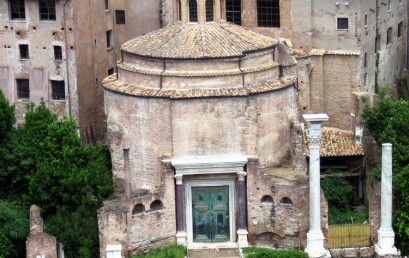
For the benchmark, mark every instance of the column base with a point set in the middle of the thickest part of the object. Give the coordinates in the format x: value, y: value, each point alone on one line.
x: 386, y: 242
x: 315, y: 245
x: 181, y: 238
x: 242, y: 238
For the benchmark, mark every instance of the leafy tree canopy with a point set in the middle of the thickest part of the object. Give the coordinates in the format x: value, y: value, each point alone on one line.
x: 6, y: 116
x: 389, y: 122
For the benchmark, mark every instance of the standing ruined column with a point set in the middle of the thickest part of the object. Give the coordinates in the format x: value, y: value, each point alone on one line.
x: 386, y: 235
x: 242, y: 211
x: 315, y: 237
x: 180, y: 211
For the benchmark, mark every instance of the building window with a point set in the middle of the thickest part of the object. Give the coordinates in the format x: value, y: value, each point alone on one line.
x: 389, y: 36
x: 106, y: 5
x: 400, y: 29
x: 233, y: 11
x: 365, y: 59
x: 109, y: 38
x: 58, y: 90
x: 24, y: 53
x: 268, y: 13
x: 342, y: 24
x: 179, y: 10
x: 209, y: 11
x: 366, y: 20
x: 17, y: 10
x: 365, y: 79
x: 389, y: 5
x: 120, y: 16
x: 111, y: 71
x: 47, y: 10
x: 57, y: 53
x: 192, y: 11
x: 23, y: 89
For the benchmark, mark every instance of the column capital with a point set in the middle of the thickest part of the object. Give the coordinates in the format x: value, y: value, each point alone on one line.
x: 242, y: 175
x: 179, y: 179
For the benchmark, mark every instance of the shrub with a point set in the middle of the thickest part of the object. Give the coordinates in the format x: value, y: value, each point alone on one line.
x: 257, y: 252
x: 171, y: 251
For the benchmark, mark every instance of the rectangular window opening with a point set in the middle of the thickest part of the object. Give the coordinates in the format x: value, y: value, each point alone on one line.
x: 106, y: 5
x: 58, y: 90
x: 111, y: 71
x: 24, y: 53
x: 233, y: 11
x: 400, y: 29
x: 17, y: 10
x: 23, y: 88
x: 47, y: 10
x: 57, y: 53
x: 389, y: 36
x: 342, y: 24
x: 268, y: 13
x: 120, y: 16
x: 109, y: 38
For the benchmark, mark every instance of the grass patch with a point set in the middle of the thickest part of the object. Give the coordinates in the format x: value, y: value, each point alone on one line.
x: 337, y: 217
x: 171, y: 251
x: 258, y: 252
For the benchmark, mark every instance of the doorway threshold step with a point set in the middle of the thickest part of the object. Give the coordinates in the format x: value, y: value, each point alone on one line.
x: 225, y: 250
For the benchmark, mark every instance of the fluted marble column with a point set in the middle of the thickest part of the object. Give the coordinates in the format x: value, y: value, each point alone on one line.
x: 315, y: 237
x: 180, y: 211
x: 386, y: 235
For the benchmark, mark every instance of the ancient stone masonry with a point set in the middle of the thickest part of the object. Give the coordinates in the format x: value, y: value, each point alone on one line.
x: 39, y: 243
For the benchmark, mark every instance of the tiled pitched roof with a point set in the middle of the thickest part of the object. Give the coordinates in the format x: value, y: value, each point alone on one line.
x: 187, y: 41
x: 112, y: 84
x: 335, y: 143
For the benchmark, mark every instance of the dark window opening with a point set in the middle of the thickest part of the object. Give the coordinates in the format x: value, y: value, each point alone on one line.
x: 365, y: 59
x: 106, y: 5
x: 111, y: 71
x: 233, y: 11
x: 109, y: 38
x: 209, y: 11
x: 120, y: 16
x: 389, y: 36
x: 57, y: 52
x: 47, y: 10
x: 24, y: 53
x: 139, y: 208
x: 268, y: 13
x: 192, y: 11
x: 179, y: 10
x: 400, y: 29
x: 366, y: 19
x: 156, y: 205
x: 23, y: 89
x: 58, y: 90
x: 286, y: 200
x: 267, y: 198
x: 342, y: 23
x: 17, y: 10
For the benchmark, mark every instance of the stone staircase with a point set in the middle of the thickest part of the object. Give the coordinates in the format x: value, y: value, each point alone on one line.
x: 206, y: 253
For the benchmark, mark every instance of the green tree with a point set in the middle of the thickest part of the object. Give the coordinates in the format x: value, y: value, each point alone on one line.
x: 6, y: 116
x: 389, y: 122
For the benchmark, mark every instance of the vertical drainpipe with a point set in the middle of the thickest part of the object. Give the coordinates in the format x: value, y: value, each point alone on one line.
x: 67, y: 59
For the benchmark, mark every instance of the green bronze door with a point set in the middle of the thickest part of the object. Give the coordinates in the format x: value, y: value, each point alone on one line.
x: 210, y: 209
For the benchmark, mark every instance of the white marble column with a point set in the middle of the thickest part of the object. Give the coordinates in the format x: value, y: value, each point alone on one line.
x: 315, y: 237
x: 386, y: 236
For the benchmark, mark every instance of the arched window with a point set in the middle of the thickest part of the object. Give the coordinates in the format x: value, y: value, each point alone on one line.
x: 156, y: 205
x: 192, y: 11
x: 268, y: 13
x: 209, y: 10
x: 233, y: 11
x: 267, y: 198
x: 286, y: 200
x: 139, y: 208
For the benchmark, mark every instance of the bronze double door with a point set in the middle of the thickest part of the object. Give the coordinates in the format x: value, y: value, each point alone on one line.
x: 210, y: 210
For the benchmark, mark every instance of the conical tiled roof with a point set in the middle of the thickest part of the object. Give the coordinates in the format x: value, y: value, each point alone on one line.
x: 195, y: 41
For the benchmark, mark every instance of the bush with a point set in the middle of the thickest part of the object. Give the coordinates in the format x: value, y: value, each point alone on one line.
x: 257, y: 252
x: 171, y: 251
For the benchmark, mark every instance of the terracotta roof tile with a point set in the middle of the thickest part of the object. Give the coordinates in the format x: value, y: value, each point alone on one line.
x: 186, y: 41
x: 335, y: 143
x: 111, y: 83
